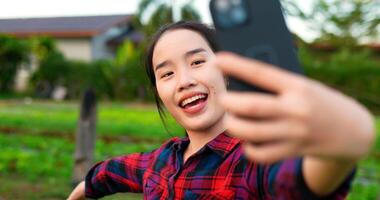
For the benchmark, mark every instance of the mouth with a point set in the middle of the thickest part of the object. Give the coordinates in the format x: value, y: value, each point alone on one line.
x: 193, y: 104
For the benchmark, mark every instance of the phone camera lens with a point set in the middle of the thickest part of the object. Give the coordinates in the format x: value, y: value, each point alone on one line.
x: 238, y: 15
x: 230, y: 13
x: 222, y: 5
x: 236, y: 2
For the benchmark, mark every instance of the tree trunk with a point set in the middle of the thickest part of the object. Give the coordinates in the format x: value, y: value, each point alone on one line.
x: 85, y: 137
x: 141, y: 94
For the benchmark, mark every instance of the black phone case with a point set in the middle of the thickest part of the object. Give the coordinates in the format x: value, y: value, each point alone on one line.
x: 264, y: 36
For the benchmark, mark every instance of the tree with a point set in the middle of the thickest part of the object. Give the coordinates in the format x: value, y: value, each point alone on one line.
x: 160, y: 12
x: 340, y: 23
x: 13, y: 52
x: 127, y: 73
x: 41, y: 47
x: 52, y: 71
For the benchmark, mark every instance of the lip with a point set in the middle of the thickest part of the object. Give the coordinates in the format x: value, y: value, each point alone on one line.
x: 188, y: 95
x: 196, y: 108
x: 193, y: 109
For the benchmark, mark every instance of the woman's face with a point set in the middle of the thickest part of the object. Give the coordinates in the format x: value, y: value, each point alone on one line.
x: 186, y: 81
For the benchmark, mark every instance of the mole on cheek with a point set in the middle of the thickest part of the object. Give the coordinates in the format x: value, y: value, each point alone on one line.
x: 212, y: 88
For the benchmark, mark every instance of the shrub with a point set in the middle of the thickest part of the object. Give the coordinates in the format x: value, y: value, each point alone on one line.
x: 120, y: 78
x: 356, y: 74
x: 13, y: 53
x: 49, y: 74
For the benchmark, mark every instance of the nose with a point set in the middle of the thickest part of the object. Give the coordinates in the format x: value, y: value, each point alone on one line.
x: 185, y: 80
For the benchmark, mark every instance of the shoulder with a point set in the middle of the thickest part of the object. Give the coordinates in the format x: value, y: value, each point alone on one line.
x: 166, y: 147
x: 171, y: 143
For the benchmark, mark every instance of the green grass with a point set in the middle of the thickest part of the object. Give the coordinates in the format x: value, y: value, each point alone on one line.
x: 113, y: 119
x: 37, y: 145
x: 35, y: 162
x: 367, y: 181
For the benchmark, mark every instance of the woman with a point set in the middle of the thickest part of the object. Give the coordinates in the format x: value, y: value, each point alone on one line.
x: 301, y: 143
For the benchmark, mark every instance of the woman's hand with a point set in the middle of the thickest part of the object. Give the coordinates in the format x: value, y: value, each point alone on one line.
x: 78, y: 192
x: 304, y: 117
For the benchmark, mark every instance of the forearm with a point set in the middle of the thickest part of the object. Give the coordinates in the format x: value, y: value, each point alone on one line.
x: 78, y: 192
x: 119, y: 174
x: 324, y: 174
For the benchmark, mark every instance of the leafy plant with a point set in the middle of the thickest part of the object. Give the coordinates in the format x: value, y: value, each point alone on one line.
x: 353, y: 73
x: 13, y: 53
x: 339, y: 23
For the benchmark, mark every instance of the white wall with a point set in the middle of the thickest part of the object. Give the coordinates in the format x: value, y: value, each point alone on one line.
x: 78, y: 49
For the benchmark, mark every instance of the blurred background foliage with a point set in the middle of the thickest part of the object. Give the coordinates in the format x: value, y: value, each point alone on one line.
x: 339, y: 24
x: 337, y: 57
x: 121, y: 78
x: 13, y: 53
x: 356, y: 74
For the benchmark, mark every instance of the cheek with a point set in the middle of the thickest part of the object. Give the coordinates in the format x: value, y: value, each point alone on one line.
x: 218, y: 86
x: 166, y: 93
x: 222, y: 81
x: 216, y: 80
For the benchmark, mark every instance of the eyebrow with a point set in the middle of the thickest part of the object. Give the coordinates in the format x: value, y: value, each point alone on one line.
x: 163, y: 64
x: 187, y: 54
x: 195, y: 51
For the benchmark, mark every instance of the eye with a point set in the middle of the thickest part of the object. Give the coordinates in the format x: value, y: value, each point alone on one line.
x: 167, y: 74
x: 197, y: 62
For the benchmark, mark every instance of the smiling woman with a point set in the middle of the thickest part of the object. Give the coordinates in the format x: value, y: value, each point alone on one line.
x: 188, y: 79
x: 302, y: 143
x: 204, y: 52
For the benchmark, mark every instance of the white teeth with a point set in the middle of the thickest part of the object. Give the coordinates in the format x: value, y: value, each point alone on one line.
x: 192, y: 99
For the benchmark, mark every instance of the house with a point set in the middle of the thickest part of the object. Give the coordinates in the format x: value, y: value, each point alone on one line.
x: 83, y: 38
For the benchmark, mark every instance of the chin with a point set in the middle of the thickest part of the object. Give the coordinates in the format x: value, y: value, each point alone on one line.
x: 200, y: 123
x: 198, y: 126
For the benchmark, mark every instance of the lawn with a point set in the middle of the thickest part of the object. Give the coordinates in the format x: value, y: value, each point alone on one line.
x: 137, y: 121
x: 37, y: 145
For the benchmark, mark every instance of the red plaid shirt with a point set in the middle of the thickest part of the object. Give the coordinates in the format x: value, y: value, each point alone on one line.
x: 218, y: 171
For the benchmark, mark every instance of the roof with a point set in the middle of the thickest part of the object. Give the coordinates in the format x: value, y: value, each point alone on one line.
x: 374, y: 46
x: 82, y: 26
x: 131, y: 34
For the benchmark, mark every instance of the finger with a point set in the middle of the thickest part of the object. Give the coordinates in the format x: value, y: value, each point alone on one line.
x: 264, y: 131
x: 255, y: 72
x: 271, y: 152
x: 251, y: 104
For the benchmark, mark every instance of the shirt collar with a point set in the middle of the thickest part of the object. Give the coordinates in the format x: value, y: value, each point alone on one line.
x: 221, y: 144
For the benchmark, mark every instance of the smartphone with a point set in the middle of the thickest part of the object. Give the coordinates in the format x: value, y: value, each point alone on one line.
x: 255, y: 29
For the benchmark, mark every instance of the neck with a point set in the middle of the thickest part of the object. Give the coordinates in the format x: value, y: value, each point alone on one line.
x: 199, y: 138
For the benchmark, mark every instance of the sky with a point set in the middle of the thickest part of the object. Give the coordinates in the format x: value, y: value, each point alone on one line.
x: 49, y: 8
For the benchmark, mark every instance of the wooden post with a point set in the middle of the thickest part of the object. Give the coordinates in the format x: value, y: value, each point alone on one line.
x: 85, y: 137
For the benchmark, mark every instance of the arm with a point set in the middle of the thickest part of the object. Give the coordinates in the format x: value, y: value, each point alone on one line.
x: 329, y: 130
x: 323, y: 177
x: 285, y: 180
x: 120, y: 174
x: 330, y: 160
x: 78, y: 192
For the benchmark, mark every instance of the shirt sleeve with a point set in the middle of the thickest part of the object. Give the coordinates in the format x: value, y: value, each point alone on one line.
x: 119, y: 174
x: 284, y: 180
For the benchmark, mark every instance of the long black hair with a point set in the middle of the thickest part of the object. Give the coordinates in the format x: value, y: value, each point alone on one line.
x: 205, y: 31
